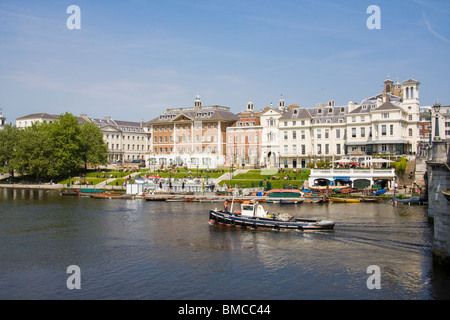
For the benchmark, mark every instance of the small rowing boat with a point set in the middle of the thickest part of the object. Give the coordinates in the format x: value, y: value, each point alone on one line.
x: 345, y: 200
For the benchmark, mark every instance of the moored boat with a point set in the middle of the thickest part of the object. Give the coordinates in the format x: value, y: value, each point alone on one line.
x: 285, y: 193
x: 253, y: 216
x: 412, y: 200
x: 71, y: 193
x: 110, y: 195
x: 366, y: 199
x: 287, y: 201
x: 345, y: 200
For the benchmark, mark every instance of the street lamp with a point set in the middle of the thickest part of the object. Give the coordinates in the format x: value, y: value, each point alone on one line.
x: 437, y: 108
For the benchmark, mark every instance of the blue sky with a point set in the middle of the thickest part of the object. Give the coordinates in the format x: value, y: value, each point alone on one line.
x: 133, y: 59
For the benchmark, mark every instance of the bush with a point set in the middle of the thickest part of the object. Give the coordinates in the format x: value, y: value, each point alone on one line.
x: 400, y: 166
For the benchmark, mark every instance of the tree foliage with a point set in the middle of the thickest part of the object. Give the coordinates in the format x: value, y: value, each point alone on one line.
x: 51, y: 150
x: 400, y: 166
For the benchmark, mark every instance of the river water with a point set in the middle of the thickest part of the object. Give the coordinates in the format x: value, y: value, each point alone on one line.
x: 136, y: 249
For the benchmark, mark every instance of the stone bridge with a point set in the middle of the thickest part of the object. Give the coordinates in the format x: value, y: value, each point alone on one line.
x: 438, y: 172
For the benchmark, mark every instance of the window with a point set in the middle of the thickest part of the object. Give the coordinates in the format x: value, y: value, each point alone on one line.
x: 338, y: 133
x: 363, y: 132
x: 303, y: 134
x: 285, y: 135
x: 383, y: 130
x: 410, y: 117
x: 327, y: 148
x: 294, y: 135
x: 410, y: 132
x: 385, y: 115
x: 303, y: 149
x: 353, y: 119
x: 319, y: 133
x: 286, y: 149
x: 338, y: 148
x: 327, y: 133
x: 294, y: 149
x: 353, y: 132
x: 391, y: 129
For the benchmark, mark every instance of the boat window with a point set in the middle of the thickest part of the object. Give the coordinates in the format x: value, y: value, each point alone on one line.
x: 247, y: 208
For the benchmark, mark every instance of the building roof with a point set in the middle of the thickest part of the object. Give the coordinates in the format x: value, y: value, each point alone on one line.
x: 387, y: 106
x: 213, y: 113
x: 296, y: 113
x: 41, y: 115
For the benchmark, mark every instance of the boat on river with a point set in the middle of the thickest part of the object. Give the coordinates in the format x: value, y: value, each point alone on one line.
x: 290, y: 201
x: 412, y: 200
x: 253, y: 216
x: 345, y: 200
x: 110, y: 195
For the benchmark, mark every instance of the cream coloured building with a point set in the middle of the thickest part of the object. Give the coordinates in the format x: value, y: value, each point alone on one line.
x: 127, y: 141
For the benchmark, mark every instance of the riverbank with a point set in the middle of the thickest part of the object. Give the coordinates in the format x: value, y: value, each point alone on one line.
x: 47, y: 186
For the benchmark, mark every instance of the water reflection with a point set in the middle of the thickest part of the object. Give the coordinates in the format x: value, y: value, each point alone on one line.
x: 133, y: 249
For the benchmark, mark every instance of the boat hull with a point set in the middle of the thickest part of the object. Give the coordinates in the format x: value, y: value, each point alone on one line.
x: 412, y: 200
x: 345, y: 200
x: 235, y: 220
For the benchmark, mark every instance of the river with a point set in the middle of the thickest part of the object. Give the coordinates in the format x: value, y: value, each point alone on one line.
x: 136, y: 249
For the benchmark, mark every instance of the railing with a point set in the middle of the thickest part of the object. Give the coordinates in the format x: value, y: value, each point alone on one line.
x: 352, y: 171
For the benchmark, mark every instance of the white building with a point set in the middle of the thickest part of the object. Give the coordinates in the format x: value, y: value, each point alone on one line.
x: 2, y: 120
x: 127, y: 141
x: 29, y: 120
x: 387, y: 123
x: 270, y: 135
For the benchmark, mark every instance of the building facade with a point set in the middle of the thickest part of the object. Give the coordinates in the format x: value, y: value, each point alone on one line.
x: 29, y: 120
x: 387, y: 123
x: 192, y: 137
x: 243, y: 144
x: 127, y: 141
x: 281, y: 136
x: 2, y: 120
x: 312, y: 135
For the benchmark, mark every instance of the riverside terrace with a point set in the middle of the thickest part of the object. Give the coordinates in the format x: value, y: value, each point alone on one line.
x: 359, y: 178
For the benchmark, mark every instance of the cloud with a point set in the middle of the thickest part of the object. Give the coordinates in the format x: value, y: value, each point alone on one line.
x: 428, y: 24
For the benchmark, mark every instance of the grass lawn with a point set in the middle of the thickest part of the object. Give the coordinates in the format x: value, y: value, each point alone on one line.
x: 90, y: 181
x: 255, y: 177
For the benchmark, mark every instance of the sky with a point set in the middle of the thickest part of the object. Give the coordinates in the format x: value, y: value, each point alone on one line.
x: 131, y: 60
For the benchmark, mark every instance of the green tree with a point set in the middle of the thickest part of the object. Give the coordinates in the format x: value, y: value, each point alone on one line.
x: 93, y: 149
x: 65, y: 137
x: 8, y: 141
x: 34, y: 153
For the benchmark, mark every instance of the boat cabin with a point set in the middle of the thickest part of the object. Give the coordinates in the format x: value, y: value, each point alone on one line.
x: 253, y: 209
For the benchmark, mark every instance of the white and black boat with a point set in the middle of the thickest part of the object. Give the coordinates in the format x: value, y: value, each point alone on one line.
x: 253, y: 216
